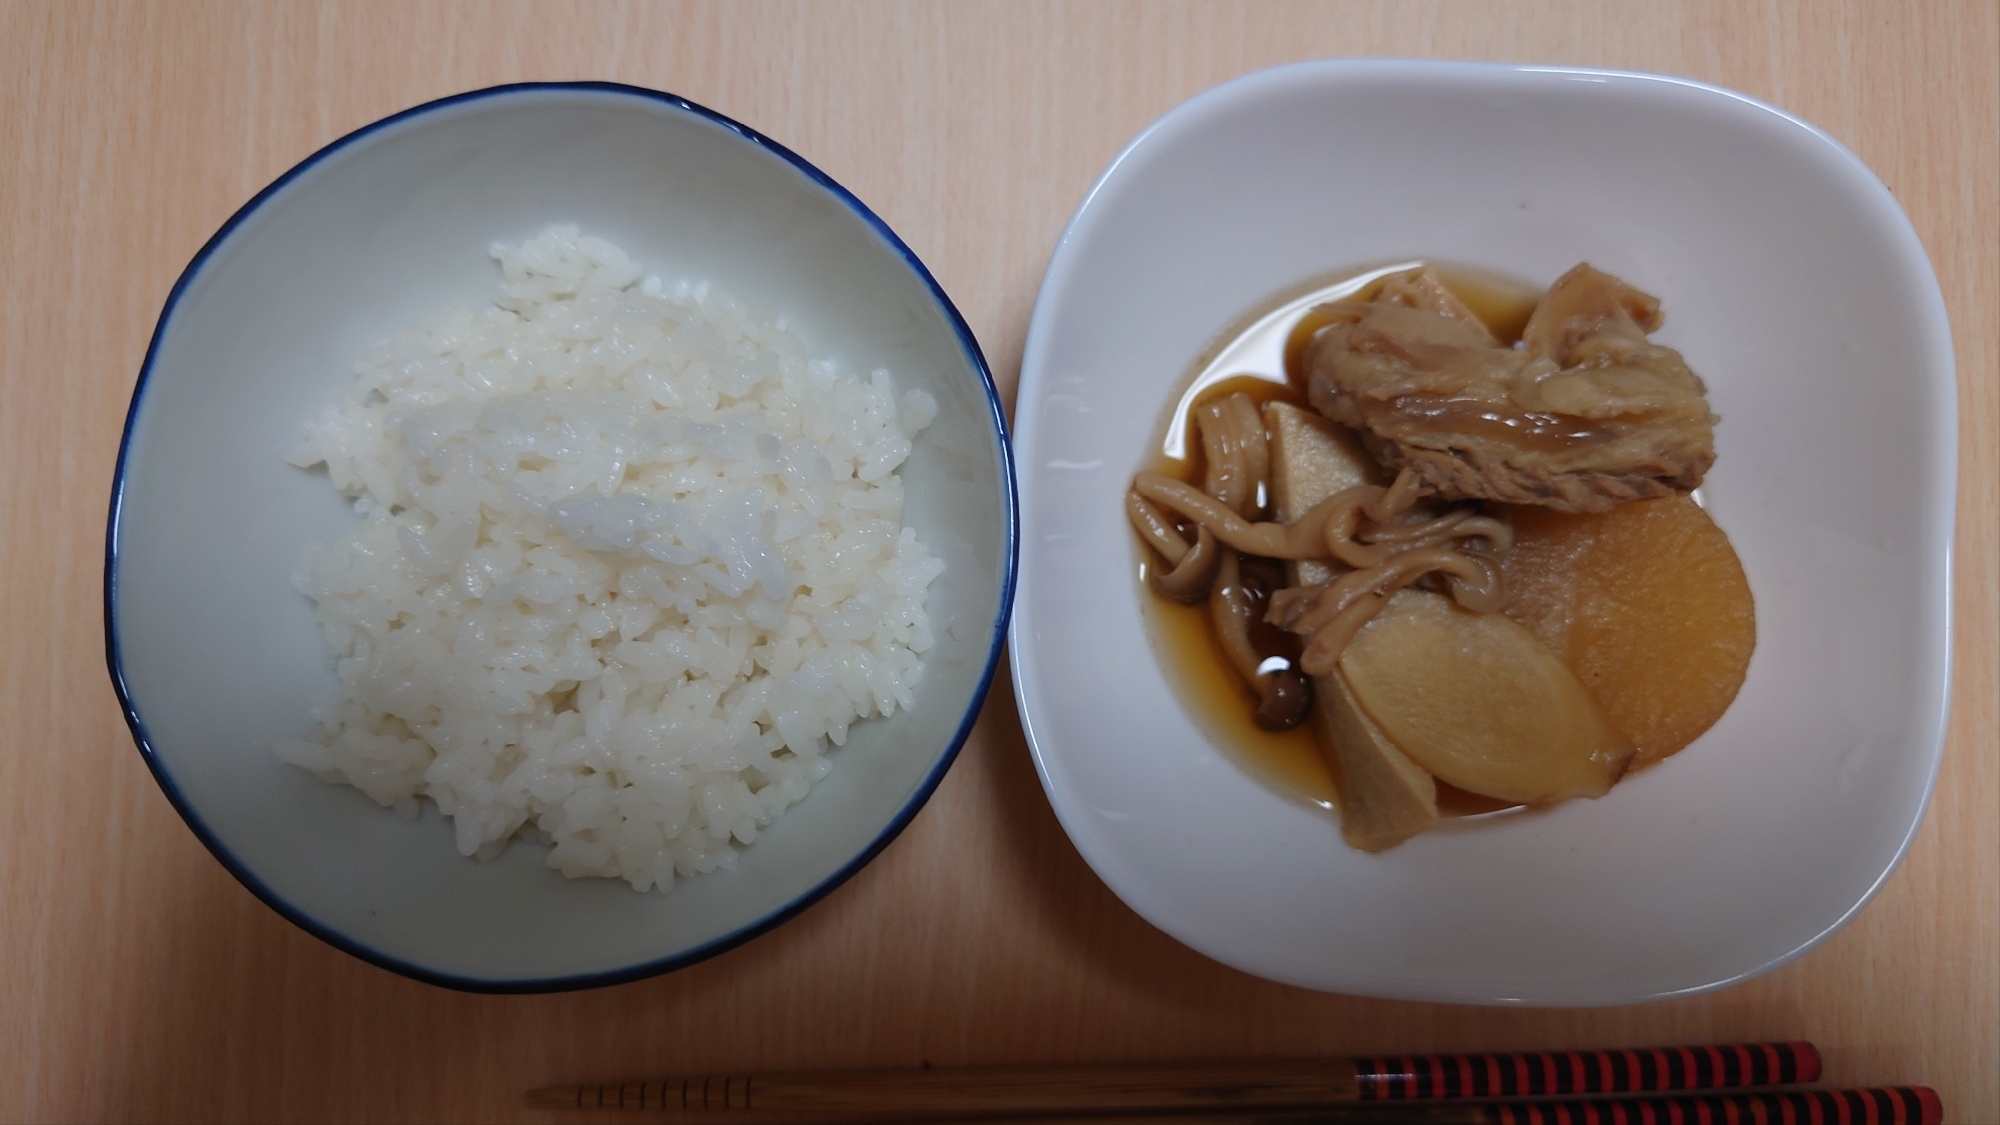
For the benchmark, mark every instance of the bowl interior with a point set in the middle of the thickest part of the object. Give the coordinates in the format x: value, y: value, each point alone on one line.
x: 219, y: 655
x: 1795, y: 287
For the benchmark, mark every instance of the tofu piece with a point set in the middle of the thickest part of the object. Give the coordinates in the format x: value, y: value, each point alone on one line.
x: 1311, y: 459
x: 1385, y: 798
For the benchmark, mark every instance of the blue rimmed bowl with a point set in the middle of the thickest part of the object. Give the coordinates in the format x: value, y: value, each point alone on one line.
x: 215, y: 656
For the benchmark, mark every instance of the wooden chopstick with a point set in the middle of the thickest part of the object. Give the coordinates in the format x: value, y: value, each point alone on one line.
x: 1233, y: 1086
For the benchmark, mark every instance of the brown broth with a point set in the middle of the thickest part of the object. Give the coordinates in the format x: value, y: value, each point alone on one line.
x: 1268, y: 342
x: 1216, y: 697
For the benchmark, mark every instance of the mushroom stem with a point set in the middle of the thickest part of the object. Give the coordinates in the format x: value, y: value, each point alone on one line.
x: 1499, y: 535
x: 1337, y: 611
x: 1232, y: 608
x: 1154, y: 527
x: 1322, y: 654
x: 1284, y: 696
x: 1398, y: 498
x: 1406, y: 534
x: 1480, y: 588
x: 1305, y: 539
x: 1190, y: 579
x: 1237, y: 452
x: 1381, y: 580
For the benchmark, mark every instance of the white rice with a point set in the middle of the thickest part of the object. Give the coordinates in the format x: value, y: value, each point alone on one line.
x: 631, y: 562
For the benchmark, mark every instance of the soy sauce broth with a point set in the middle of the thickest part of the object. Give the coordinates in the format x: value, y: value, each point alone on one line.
x: 1259, y: 356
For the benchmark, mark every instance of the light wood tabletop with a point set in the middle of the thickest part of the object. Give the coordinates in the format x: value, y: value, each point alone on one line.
x: 139, y: 981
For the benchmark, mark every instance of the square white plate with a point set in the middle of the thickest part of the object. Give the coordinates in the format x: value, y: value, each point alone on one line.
x: 1793, y: 284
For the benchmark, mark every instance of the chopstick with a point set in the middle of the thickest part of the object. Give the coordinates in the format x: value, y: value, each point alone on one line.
x: 1234, y: 1086
x: 1878, y: 1105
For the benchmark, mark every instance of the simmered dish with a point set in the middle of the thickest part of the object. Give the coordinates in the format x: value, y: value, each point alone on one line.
x: 1468, y: 564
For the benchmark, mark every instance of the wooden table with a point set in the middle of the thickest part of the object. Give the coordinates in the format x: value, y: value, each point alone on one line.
x: 138, y: 981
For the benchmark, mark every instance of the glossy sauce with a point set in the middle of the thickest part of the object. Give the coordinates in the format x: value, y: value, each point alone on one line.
x: 1543, y: 432
x: 1260, y: 356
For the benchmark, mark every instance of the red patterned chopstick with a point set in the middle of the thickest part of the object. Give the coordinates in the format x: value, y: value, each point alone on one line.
x: 1881, y: 1105
x: 1888, y: 1105
x: 1636, y: 1070
x: 1386, y: 1082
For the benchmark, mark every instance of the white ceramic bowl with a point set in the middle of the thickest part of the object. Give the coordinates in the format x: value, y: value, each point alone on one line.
x: 1793, y: 284
x: 215, y: 655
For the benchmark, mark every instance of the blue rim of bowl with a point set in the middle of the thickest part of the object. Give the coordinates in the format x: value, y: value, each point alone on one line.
x: 686, y: 957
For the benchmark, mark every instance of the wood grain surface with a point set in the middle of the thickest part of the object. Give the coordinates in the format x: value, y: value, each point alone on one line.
x: 138, y: 981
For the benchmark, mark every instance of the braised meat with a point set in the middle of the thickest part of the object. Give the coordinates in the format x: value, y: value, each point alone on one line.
x: 1584, y: 414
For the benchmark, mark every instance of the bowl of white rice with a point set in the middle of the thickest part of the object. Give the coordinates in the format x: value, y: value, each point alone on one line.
x: 560, y: 534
